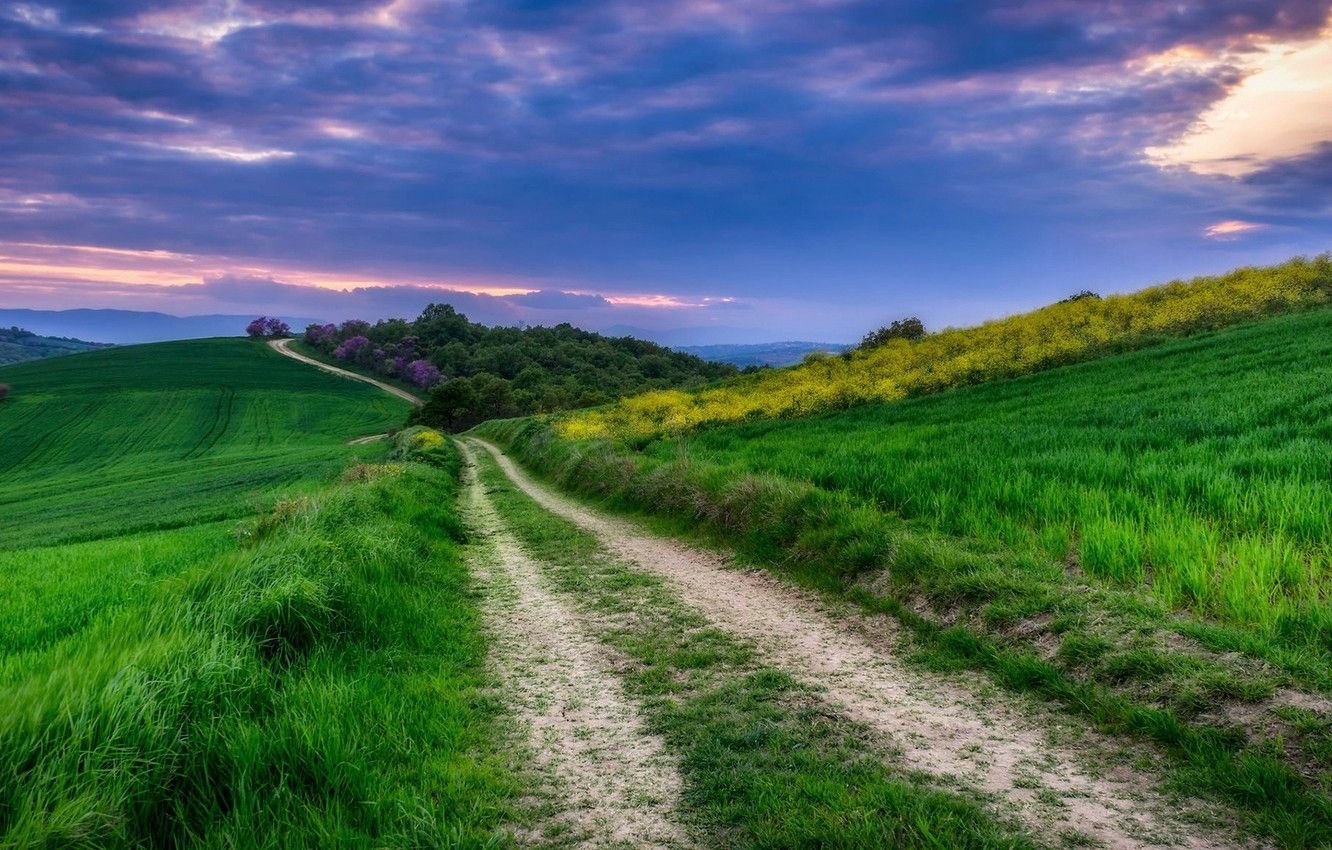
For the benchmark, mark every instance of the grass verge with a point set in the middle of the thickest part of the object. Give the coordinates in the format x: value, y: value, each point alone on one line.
x: 323, y: 684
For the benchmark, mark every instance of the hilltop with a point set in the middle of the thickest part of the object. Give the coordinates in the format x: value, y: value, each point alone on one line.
x: 128, y: 327
x: 17, y: 345
x: 476, y: 372
x: 1079, y: 328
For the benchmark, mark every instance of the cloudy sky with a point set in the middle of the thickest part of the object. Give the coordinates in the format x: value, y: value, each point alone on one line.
x: 757, y: 169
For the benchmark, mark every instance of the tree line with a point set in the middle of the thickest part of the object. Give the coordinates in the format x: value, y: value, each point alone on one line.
x: 474, y: 372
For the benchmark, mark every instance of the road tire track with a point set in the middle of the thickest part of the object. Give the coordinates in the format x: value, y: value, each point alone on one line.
x: 615, y: 784
x: 1008, y: 752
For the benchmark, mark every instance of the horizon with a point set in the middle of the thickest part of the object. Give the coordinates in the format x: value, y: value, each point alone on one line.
x: 762, y: 172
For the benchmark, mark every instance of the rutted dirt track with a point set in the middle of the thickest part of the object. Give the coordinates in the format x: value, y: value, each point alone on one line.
x: 1008, y: 751
x: 615, y: 783
x: 283, y: 346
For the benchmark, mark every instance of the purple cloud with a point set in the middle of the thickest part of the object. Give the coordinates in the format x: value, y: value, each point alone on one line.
x: 778, y: 150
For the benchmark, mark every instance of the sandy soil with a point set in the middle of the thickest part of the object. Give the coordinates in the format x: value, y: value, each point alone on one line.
x: 1020, y: 756
x: 283, y: 346
x: 614, y: 784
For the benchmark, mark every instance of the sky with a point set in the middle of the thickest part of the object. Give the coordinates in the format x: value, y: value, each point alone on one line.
x: 696, y: 170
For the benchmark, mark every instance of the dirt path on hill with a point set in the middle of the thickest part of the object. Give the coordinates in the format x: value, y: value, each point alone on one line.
x: 613, y: 785
x: 1029, y: 760
x: 283, y: 346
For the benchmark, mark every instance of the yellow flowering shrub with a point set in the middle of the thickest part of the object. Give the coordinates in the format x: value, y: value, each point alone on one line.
x: 1051, y: 336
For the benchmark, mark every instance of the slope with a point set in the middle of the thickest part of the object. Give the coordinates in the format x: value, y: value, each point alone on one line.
x: 18, y: 345
x: 167, y: 435
x: 1076, y: 329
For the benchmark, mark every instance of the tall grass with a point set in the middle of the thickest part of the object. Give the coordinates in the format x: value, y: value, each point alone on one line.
x: 319, y: 686
x: 1197, y: 469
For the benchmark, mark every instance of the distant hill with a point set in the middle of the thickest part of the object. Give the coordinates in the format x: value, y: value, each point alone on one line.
x: 477, y: 372
x: 17, y: 345
x: 761, y: 354
x: 124, y: 327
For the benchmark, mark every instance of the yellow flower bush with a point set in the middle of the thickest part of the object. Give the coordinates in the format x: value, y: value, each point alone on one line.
x: 1051, y: 336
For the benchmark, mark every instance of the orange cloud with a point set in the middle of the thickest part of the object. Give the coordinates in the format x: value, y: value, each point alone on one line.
x: 24, y: 265
x: 1231, y: 229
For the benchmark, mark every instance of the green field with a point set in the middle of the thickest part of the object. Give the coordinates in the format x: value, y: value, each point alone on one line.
x: 162, y: 436
x: 217, y: 628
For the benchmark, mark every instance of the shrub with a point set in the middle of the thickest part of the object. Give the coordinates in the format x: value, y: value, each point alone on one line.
x: 423, y: 373
x: 321, y: 336
x: 1079, y: 296
x: 461, y: 403
x: 910, y: 329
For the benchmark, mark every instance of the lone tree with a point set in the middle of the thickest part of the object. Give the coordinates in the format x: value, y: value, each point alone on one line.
x: 4, y: 391
x: 266, y: 327
x: 910, y: 329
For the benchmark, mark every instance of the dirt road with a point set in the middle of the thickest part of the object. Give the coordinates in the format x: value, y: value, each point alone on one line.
x: 1031, y: 761
x: 283, y: 346
x: 613, y: 783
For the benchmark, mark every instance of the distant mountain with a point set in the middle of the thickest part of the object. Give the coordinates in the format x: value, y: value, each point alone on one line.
x: 124, y: 327
x: 678, y: 338
x: 17, y: 345
x: 762, y: 354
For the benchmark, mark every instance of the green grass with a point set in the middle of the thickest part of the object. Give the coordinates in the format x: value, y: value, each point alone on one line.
x: 321, y: 686
x: 979, y: 518
x: 49, y: 592
x: 1199, y: 469
x: 766, y: 763
x: 217, y: 629
x: 170, y: 435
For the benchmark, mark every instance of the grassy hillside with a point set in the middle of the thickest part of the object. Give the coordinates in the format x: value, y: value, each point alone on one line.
x: 167, y: 435
x: 316, y: 686
x: 1199, y: 469
x: 18, y: 345
x: 1073, y: 330
x: 1142, y: 538
x: 307, y: 671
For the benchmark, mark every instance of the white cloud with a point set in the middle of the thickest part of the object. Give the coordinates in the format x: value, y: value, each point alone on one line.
x: 1280, y: 110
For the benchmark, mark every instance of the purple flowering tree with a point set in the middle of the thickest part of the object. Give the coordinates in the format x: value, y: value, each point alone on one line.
x: 4, y: 391
x: 267, y: 327
x: 319, y: 335
x: 423, y: 373
x: 353, y: 328
x: 350, y: 348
